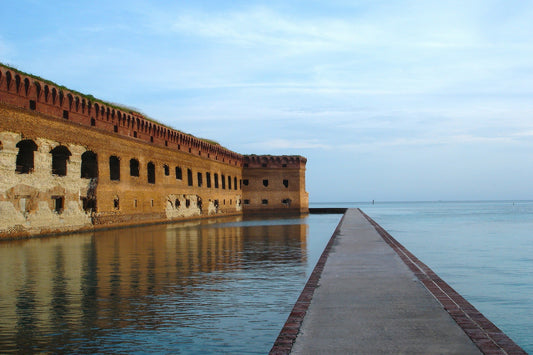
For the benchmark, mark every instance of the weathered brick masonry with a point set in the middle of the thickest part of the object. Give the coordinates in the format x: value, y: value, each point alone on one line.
x: 70, y: 162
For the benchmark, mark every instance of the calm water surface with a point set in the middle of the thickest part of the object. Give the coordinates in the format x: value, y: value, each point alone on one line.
x: 203, y: 287
x: 482, y: 249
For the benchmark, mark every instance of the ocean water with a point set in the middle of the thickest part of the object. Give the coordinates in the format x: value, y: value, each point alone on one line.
x: 484, y: 250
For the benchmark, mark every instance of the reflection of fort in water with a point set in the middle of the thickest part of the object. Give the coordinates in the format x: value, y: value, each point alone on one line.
x: 98, y: 280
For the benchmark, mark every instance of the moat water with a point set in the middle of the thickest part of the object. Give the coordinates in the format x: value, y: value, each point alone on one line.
x: 224, y: 286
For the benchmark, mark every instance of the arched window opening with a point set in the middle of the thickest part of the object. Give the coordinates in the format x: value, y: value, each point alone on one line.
x: 286, y: 183
x: 60, y: 157
x: 37, y: 89
x: 167, y: 170
x: 17, y: 82
x: 58, y: 204
x: 26, y: 86
x: 24, y: 164
x: 199, y: 175
x: 151, y: 173
x: 177, y: 203
x: 89, y: 165
x: 208, y: 179
x: 265, y: 182
x: 189, y: 177
x: 114, y: 168
x: 8, y: 79
x: 134, y: 167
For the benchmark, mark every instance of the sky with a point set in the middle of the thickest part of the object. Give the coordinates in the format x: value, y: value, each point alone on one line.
x: 416, y: 100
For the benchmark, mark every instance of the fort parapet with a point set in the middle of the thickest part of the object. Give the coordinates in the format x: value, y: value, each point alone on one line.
x: 71, y: 162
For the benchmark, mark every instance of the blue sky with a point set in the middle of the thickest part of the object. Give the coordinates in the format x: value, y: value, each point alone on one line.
x: 388, y: 100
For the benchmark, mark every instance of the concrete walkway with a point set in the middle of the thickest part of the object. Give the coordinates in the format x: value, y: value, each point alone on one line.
x: 369, y: 302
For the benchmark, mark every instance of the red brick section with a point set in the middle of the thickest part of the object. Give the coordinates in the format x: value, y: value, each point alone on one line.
x: 287, y: 335
x: 488, y: 338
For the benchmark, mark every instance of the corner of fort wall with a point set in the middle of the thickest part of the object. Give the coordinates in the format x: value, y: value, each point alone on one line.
x: 70, y: 162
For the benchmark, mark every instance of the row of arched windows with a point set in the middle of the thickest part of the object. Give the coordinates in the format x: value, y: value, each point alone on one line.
x: 114, y: 174
x: 25, y: 162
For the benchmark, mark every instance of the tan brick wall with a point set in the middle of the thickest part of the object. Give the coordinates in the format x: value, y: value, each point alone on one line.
x: 53, y: 117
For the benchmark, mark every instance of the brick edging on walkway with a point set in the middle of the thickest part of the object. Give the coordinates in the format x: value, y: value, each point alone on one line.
x: 287, y: 335
x: 487, y: 337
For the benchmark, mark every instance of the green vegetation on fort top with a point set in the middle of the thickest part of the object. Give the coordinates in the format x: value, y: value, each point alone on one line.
x: 91, y: 98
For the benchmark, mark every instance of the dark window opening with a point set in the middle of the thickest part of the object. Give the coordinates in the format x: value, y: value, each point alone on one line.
x: 229, y: 182
x: 208, y: 179
x: 190, y: 150
x: 223, y: 182
x: 286, y: 201
x: 215, y: 204
x: 189, y: 177
x: 286, y: 183
x: 89, y: 165
x: 199, y: 179
x: 60, y: 157
x: 216, y: 181
x: 167, y: 170
x: 265, y: 182
x: 246, y: 202
x: 151, y: 139
x: 178, y: 173
x: 235, y: 183
x: 89, y: 204
x: 177, y: 203
x: 264, y: 202
x: 65, y: 114
x: 116, y: 203
x: 166, y: 143
x: 33, y: 105
x: 135, y: 203
x: 24, y: 163
x: 245, y: 165
x: 199, y: 204
x: 135, y: 134
x: 245, y: 182
x: 283, y: 165
x: 115, y: 128
x: 187, y: 203
x: 151, y: 172
x: 114, y: 168
x: 58, y: 203
x: 264, y: 165
x: 93, y: 122
x: 134, y: 167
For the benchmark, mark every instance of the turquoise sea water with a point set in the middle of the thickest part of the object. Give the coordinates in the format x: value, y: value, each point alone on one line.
x: 482, y: 249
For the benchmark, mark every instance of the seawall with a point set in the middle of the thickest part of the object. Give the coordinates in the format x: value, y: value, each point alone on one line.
x: 368, y: 294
